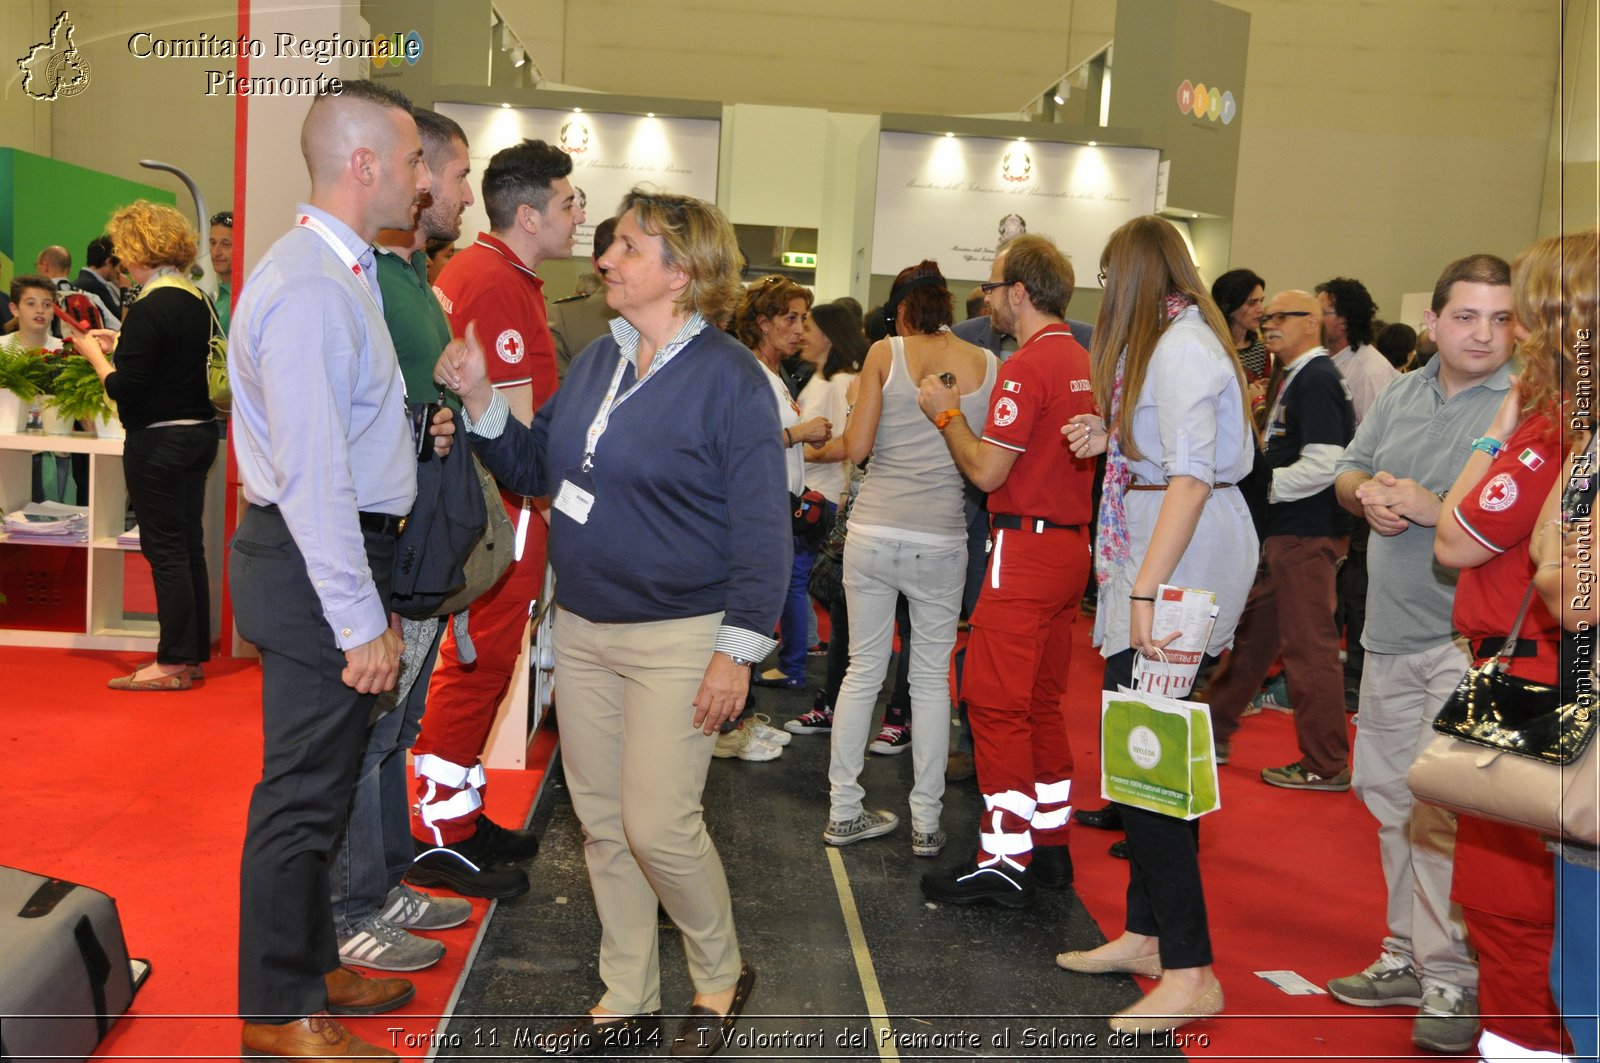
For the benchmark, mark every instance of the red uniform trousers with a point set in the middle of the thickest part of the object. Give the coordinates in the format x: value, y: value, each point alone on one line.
x: 463, y: 698
x: 1504, y: 881
x: 1018, y: 655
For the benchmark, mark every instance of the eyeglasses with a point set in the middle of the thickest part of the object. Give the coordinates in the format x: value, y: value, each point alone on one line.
x: 989, y: 286
x: 223, y: 217
x: 1270, y: 320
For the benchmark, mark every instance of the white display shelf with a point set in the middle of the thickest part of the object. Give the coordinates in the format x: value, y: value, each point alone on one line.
x: 104, y: 624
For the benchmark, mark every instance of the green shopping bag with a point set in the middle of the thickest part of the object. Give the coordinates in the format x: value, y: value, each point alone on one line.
x: 1157, y: 754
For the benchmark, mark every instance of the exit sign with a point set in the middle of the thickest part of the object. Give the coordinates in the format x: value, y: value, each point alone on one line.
x: 799, y: 259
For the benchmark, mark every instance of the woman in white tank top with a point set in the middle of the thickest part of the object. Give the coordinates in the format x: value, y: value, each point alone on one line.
x: 907, y: 536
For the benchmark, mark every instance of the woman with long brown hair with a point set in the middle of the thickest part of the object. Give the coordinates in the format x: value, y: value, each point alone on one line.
x: 1177, y: 438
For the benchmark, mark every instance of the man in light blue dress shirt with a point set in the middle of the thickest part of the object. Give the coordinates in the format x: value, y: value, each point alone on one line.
x: 327, y: 462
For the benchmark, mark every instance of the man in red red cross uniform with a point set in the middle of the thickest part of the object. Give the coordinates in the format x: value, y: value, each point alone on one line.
x: 1020, y: 647
x: 492, y: 287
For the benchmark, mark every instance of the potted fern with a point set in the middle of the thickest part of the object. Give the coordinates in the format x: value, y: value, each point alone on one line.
x: 24, y: 376
x: 77, y: 394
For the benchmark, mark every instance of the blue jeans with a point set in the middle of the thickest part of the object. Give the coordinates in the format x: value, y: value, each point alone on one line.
x: 376, y: 848
x: 794, y: 625
x: 1575, y: 960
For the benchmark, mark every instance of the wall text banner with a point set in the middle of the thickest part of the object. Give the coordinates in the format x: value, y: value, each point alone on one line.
x: 949, y: 198
x: 610, y: 154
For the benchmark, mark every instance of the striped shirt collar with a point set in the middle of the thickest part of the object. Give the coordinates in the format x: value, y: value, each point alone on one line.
x: 627, y: 338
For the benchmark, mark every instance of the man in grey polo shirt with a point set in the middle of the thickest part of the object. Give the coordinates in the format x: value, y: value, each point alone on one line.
x: 1407, y: 452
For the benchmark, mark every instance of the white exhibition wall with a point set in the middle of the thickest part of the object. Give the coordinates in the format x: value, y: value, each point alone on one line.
x: 611, y: 153
x: 948, y: 198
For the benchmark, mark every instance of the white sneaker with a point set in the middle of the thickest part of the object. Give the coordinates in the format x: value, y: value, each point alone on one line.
x: 761, y: 724
x: 742, y: 742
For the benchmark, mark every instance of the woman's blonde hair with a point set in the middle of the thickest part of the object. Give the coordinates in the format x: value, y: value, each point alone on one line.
x: 152, y: 234
x: 1145, y: 261
x: 1555, y: 293
x: 696, y: 238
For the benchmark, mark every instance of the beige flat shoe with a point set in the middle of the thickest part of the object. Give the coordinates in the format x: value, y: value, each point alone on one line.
x: 175, y: 681
x: 1083, y: 963
x: 1206, y: 1004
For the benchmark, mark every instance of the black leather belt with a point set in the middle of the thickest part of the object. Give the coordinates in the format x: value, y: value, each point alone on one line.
x: 376, y: 523
x: 1012, y: 522
x: 1485, y: 648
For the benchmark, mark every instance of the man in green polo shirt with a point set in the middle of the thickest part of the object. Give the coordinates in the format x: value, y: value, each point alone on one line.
x: 1407, y: 452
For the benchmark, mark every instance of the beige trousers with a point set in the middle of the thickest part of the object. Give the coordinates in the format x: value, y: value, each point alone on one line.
x: 636, y: 768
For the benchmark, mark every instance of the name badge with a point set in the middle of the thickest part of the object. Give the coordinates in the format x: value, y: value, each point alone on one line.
x: 574, y: 501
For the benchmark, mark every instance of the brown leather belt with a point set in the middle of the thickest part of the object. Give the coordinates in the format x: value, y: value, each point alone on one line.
x: 1163, y: 487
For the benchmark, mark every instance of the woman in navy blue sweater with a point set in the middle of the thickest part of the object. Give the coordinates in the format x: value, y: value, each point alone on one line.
x: 670, y: 542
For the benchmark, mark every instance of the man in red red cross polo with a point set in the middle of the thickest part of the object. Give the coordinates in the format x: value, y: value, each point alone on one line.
x: 533, y: 216
x: 1020, y: 648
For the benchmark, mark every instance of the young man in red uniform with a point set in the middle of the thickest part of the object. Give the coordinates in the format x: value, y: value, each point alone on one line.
x: 1040, y: 505
x: 533, y: 216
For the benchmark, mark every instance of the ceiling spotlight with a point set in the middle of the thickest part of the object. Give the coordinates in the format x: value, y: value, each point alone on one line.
x: 505, y: 107
x: 1094, y: 143
x: 1194, y: 215
x: 649, y: 114
x: 577, y: 110
x: 1058, y: 99
x: 949, y: 135
x: 1022, y: 140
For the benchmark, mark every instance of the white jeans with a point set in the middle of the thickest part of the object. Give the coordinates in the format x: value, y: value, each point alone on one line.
x: 1401, y: 693
x: 876, y: 572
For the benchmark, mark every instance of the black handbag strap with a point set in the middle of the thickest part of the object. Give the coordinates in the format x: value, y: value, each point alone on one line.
x: 1508, y: 648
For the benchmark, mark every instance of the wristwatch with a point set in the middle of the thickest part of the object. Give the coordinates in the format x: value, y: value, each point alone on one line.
x: 740, y: 661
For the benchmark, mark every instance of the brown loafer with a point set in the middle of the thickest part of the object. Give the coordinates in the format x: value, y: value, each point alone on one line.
x: 584, y: 1036
x: 352, y: 993
x: 175, y: 681
x: 315, y: 1039
x: 704, y: 1031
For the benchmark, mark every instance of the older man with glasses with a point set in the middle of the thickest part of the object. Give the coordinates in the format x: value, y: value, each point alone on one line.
x: 1290, y: 610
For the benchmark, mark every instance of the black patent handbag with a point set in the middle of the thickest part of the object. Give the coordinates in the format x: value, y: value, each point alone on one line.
x: 1504, y: 712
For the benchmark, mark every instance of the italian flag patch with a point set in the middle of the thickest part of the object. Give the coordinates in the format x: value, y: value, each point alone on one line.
x: 1011, y: 385
x: 1530, y: 459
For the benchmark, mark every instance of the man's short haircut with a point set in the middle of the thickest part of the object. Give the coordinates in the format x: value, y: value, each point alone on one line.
x: 1474, y: 269
x: 522, y: 173
x: 31, y: 281
x: 1044, y: 271
x: 56, y: 257
x: 99, y: 252
x: 437, y: 131
x: 1353, y: 302
x: 371, y: 92
x: 603, y: 235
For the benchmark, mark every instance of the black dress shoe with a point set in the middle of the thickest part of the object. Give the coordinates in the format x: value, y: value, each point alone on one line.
x: 1051, y: 866
x: 1107, y: 818
x: 583, y: 1036
x: 704, y: 1031
x: 1119, y: 849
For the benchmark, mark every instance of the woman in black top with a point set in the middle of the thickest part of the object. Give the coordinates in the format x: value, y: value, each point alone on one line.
x: 159, y: 386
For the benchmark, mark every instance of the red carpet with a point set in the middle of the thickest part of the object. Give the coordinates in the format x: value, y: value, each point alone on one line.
x: 1292, y: 883
x: 144, y: 796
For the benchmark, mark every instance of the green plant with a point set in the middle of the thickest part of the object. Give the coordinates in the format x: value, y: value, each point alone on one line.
x: 26, y: 371
x: 77, y: 393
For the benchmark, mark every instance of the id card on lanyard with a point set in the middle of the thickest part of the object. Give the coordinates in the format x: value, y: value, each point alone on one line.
x: 576, y: 495
x: 345, y: 254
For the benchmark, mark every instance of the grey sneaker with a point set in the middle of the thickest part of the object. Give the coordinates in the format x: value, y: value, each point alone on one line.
x: 868, y: 824
x: 927, y: 843
x: 382, y: 947
x: 1388, y: 982
x: 415, y: 910
x: 1447, y: 1020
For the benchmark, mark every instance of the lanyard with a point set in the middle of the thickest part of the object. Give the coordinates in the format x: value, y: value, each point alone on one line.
x: 609, y: 404
x: 345, y: 255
